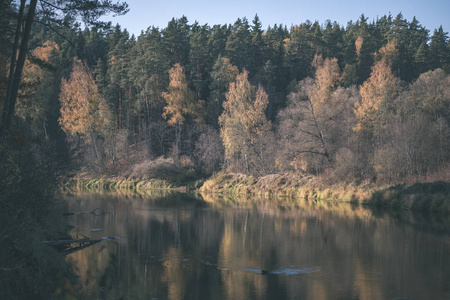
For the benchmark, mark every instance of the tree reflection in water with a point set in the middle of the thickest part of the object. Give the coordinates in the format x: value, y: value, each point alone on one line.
x: 177, y: 246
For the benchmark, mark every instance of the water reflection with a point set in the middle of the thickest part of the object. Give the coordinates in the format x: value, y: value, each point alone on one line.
x: 174, y: 246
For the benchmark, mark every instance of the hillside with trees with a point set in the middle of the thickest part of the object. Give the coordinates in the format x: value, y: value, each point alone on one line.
x: 368, y: 101
x: 361, y: 104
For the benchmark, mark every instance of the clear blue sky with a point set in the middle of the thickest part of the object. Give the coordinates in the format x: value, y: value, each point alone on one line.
x: 145, y: 13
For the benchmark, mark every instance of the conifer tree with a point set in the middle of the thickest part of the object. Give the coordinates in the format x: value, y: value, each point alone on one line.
x: 238, y: 47
x: 440, y: 55
x: 199, y: 60
x: 257, y: 48
x: 222, y: 74
x: 176, y: 41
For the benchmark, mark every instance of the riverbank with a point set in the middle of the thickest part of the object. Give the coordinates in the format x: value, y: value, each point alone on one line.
x: 433, y: 196
x: 89, y: 182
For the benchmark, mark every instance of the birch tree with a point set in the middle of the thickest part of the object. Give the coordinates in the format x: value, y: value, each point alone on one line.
x: 180, y: 103
x: 245, y: 130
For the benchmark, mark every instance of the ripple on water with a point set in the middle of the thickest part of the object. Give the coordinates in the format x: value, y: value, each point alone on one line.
x: 294, y: 271
x: 282, y: 271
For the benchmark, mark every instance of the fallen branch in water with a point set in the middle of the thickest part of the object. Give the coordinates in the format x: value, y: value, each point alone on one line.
x: 71, y: 245
x: 95, y: 212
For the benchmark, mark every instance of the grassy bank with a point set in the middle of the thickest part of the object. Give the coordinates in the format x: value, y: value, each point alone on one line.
x: 91, y: 183
x: 417, y: 196
x: 136, y: 175
x: 433, y: 196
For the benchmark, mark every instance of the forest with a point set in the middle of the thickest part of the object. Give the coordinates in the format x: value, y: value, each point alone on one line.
x: 368, y: 101
x: 362, y: 102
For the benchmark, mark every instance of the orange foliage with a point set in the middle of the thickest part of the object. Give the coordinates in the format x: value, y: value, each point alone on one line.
x: 376, y: 91
x: 32, y: 77
x: 180, y: 99
x: 83, y: 110
x: 358, y: 44
x: 388, y: 54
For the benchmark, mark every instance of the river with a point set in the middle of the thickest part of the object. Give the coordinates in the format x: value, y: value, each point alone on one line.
x: 179, y: 246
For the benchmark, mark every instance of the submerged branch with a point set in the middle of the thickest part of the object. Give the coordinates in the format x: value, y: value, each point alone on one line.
x: 95, y: 212
x: 71, y: 245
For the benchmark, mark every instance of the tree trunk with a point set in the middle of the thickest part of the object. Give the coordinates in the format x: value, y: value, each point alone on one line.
x: 320, y: 135
x: 178, y: 139
x: 148, y: 129
x: 16, y: 65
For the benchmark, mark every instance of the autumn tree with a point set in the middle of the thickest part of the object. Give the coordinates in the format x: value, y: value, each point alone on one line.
x: 315, y: 123
x: 84, y: 113
x: 222, y: 74
x: 377, y: 95
x: 245, y: 130
x: 37, y: 83
x: 180, y: 103
x: 52, y: 10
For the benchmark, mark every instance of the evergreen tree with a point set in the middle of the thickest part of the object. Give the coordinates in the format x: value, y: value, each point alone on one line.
x: 217, y: 40
x: 332, y: 41
x: 439, y: 52
x: 117, y: 91
x: 239, y: 44
x: 176, y: 41
x: 199, y: 60
x: 222, y: 74
x: 258, y: 48
x: 364, y: 50
x: 422, y: 58
x: 96, y: 46
x: 299, y: 51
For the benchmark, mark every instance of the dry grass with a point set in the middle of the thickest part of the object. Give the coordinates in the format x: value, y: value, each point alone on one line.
x: 418, y: 196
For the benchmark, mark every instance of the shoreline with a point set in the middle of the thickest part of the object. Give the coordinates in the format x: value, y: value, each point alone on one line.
x: 431, y: 196
x: 87, y: 183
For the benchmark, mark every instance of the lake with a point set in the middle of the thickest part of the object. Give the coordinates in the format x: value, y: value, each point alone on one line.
x: 180, y: 246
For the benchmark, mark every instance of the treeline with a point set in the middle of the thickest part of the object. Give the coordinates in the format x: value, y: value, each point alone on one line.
x: 369, y: 100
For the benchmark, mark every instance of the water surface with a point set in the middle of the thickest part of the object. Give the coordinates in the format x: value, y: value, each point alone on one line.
x: 175, y: 246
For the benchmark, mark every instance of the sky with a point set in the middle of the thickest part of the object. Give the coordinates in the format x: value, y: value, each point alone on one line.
x: 146, y: 13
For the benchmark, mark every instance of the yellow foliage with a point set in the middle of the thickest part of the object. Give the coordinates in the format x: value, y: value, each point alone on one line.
x: 244, y: 125
x: 327, y: 78
x: 180, y: 99
x: 32, y: 77
x: 83, y: 110
x: 358, y: 44
x: 377, y: 90
x: 388, y: 54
